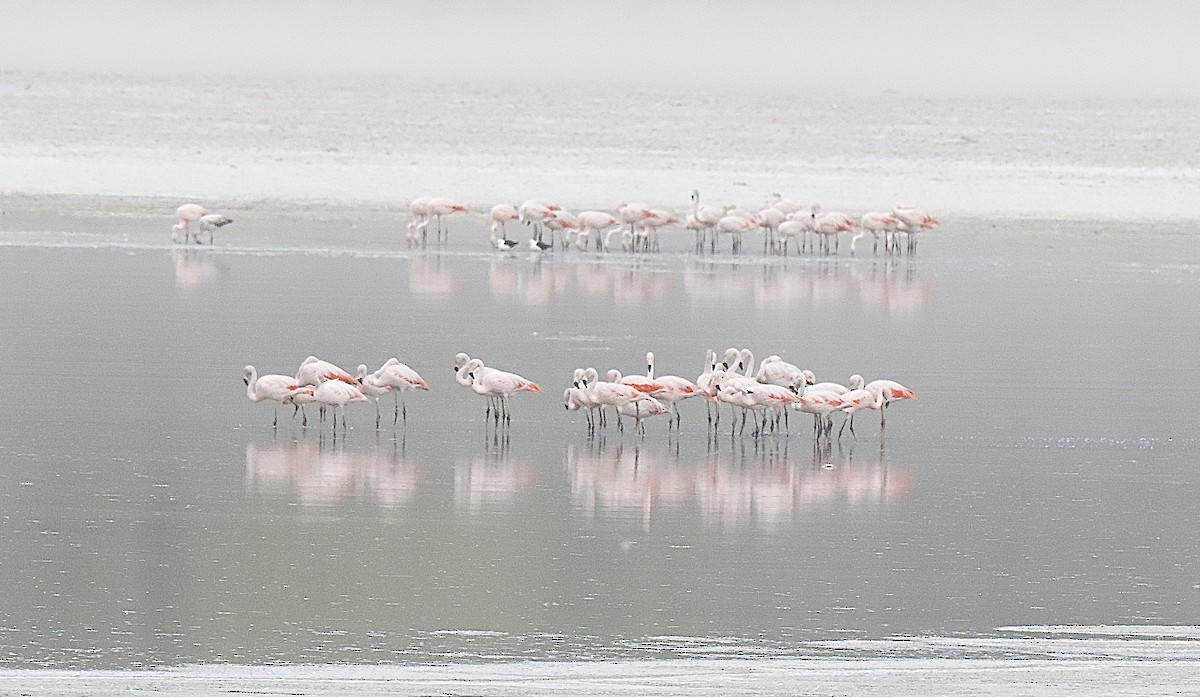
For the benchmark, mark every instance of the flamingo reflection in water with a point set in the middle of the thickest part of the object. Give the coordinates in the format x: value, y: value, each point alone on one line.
x: 323, y: 476
x: 730, y: 489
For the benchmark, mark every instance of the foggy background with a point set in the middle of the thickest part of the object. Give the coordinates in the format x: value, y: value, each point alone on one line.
x: 1071, y: 48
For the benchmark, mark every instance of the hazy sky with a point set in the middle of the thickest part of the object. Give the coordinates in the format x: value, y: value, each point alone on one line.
x: 1141, y: 48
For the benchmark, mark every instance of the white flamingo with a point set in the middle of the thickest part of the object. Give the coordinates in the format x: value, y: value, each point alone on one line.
x: 497, y: 385
x: 400, y: 378
x: 371, y: 387
x: 335, y: 393
x: 209, y: 223
x: 187, y: 214
x: 277, y: 388
x: 314, y: 371
x: 419, y: 220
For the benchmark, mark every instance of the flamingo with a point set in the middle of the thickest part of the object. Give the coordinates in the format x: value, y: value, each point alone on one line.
x: 304, y: 395
x: 314, y: 371
x: 533, y: 212
x: 674, y: 388
x: 857, y: 400
x: 769, y: 219
x: 785, y: 206
x: 911, y: 220
x: 370, y: 386
x: 593, y: 222
x: 705, y: 381
x: 875, y: 224
x: 400, y: 378
x: 277, y: 388
x: 498, y: 385
x: 561, y: 221
x: 441, y: 206
x: 734, y: 226
x: 335, y: 393
x: 890, y: 391
x: 210, y: 223
x: 775, y: 371
x: 653, y: 220
x: 795, y: 227
x: 420, y: 219
x: 502, y: 213
x: 829, y: 225
x: 632, y: 214
x: 618, y: 395
x: 187, y: 214
x: 704, y: 218
x: 821, y: 404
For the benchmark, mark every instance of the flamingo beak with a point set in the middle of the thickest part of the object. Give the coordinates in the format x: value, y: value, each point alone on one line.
x: 246, y: 380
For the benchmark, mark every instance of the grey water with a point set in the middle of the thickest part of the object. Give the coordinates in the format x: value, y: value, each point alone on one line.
x: 152, y: 516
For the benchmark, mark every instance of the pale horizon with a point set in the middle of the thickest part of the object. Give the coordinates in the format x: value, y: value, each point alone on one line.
x: 928, y: 48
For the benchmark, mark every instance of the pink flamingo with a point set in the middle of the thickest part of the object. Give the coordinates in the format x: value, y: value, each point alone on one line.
x: 497, y: 385
x: 674, y: 388
x: 187, y: 214
x: 502, y: 213
x: 400, y: 379
x: 419, y: 221
x: 592, y: 222
x: 439, y: 207
x: 876, y: 224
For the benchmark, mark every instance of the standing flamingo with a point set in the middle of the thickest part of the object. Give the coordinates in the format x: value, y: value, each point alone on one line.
x: 314, y: 371
x: 623, y: 398
x: 856, y: 400
x: 370, y: 386
x: 875, y: 224
x: 534, y: 212
x: 188, y: 213
x: 400, y: 378
x: 498, y: 385
x: 502, y: 213
x: 704, y: 218
x: 209, y: 223
x: 419, y: 221
x: 592, y: 222
x: 674, y: 388
x: 441, y: 206
x: 277, y: 388
x: 890, y: 391
x: 335, y: 393
x: 821, y: 404
x: 911, y: 221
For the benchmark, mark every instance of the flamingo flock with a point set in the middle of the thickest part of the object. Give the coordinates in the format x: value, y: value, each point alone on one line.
x: 635, y: 227
x: 331, y: 387
x: 765, y: 396
x: 769, y: 394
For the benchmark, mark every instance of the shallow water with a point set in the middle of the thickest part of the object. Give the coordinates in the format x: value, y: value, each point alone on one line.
x: 153, y: 516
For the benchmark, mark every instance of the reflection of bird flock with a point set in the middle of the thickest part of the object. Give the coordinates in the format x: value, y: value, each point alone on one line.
x: 768, y: 394
x: 635, y: 226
